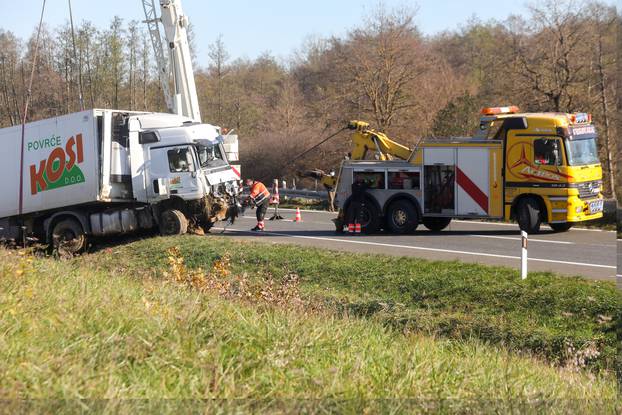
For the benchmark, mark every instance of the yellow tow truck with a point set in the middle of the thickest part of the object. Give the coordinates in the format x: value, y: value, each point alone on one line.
x: 531, y: 167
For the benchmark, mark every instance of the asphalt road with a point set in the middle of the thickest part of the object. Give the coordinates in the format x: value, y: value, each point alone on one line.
x: 585, y: 252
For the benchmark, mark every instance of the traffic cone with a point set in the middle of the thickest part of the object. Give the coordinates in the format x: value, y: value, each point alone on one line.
x: 350, y: 228
x: 357, y: 228
x: 298, y: 217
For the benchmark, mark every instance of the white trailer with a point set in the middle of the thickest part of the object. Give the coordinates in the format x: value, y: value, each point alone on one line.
x: 102, y: 172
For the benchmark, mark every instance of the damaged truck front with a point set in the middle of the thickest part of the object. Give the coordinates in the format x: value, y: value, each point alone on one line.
x: 106, y: 172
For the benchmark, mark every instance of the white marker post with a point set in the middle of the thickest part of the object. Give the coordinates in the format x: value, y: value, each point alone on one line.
x: 523, y: 255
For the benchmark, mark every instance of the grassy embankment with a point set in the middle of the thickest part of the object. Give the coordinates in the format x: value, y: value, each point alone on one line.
x: 263, y: 322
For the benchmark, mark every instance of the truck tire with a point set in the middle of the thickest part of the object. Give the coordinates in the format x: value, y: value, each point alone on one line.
x: 68, y: 237
x: 173, y: 222
x: 528, y: 215
x: 561, y: 227
x: 402, y: 217
x: 370, y: 217
x: 436, y: 224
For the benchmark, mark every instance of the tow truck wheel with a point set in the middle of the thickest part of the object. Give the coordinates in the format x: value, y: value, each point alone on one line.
x: 561, y: 227
x: 402, y: 217
x: 436, y: 224
x: 173, y: 222
x: 68, y: 237
x: 528, y: 215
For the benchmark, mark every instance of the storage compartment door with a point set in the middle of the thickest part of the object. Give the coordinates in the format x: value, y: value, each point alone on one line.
x: 473, y: 185
x: 439, y: 175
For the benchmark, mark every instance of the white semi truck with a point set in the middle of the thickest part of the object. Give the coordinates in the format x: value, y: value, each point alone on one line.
x: 103, y: 172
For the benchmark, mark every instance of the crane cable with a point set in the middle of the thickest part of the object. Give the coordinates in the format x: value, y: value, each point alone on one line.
x: 308, y: 150
x: 75, y: 59
x: 317, y: 145
x: 26, y: 103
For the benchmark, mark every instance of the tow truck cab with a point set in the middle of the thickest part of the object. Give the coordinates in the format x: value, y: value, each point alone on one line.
x: 551, y: 163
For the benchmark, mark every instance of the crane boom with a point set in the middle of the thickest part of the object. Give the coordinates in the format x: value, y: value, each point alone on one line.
x: 185, y: 100
x: 364, y: 140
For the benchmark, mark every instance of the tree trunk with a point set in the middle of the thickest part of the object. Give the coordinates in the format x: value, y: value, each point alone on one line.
x: 605, y: 109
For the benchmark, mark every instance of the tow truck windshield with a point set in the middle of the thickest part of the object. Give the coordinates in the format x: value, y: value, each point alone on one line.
x: 211, y: 156
x: 582, y: 151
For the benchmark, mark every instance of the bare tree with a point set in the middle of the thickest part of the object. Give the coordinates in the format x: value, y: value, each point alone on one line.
x: 604, y: 22
x: 218, y: 57
x: 549, y: 51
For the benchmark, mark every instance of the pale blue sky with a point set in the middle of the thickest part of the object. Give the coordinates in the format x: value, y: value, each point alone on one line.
x: 251, y: 27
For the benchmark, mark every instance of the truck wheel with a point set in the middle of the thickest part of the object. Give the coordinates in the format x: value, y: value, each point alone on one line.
x: 173, y: 222
x: 561, y: 227
x: 528, y: 215
x: 402, y: 217
x: 436, y: 224
x: 68, y: 237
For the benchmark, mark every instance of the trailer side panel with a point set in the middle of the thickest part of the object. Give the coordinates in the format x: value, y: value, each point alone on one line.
x: 60, y: 164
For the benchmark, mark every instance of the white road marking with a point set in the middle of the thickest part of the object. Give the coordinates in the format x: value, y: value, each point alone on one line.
x: 516, y: 225
x: 450, y: 251
x: 454, y: 220
x: 286, y: 220
x: 518, y: 239
x: 308, y: 210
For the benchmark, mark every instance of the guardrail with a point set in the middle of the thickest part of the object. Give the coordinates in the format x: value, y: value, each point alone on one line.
x: 308, y: 194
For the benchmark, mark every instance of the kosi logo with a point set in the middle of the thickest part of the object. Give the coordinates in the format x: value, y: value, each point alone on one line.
x: 60, y: 168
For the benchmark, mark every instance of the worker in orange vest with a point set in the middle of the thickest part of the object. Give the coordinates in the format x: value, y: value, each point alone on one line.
x: 260, y: 197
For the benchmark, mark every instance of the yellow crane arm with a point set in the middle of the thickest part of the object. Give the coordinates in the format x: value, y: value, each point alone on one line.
x: 365, y: 139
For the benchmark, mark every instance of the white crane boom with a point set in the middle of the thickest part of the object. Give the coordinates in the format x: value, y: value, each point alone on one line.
x: 185, y: 100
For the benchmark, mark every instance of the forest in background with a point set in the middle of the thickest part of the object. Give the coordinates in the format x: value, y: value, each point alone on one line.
x: 560, y: 56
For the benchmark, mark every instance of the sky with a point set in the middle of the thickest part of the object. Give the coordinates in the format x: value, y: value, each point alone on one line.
x: 250, y: 28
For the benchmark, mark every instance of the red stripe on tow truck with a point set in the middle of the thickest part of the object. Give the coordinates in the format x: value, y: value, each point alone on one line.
x: 472, y: 190
x: 236, y: 171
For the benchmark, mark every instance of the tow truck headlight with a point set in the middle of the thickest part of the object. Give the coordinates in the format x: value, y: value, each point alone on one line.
x: 578, y: 209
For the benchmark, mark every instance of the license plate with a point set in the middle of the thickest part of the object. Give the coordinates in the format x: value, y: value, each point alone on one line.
x: 596, y: 206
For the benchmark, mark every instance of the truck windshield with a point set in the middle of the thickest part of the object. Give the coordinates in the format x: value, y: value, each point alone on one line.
x: 581, y: 152
x: 211, y: 156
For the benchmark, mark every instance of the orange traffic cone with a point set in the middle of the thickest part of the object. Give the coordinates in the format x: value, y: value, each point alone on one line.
x: 298, y: 217
x: 357, y: 228
x: 350, y: 228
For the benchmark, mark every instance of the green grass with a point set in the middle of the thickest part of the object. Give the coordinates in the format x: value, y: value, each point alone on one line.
x: 115, y: 325
x: 558, y: 318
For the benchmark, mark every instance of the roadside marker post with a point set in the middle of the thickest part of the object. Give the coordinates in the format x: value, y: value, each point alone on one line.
x: 523, y: 255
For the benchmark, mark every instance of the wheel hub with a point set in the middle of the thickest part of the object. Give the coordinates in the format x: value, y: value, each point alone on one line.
x: 400, y: 217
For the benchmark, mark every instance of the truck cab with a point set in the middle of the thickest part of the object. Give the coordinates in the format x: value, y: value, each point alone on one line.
x: 552, y: 172
x: 180, y: 164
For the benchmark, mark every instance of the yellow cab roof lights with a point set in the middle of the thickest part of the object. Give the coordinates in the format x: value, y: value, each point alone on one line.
x: 512, y: 109
x: 580, y: 118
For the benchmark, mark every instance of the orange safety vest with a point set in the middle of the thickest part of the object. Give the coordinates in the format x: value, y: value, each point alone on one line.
x: 259, y: 193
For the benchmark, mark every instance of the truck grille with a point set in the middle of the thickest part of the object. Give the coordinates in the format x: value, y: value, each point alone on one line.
x: 590, y: 189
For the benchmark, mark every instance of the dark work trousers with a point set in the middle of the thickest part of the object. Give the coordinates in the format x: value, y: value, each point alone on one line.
x: 356, y: 208
x: 262, y: 208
